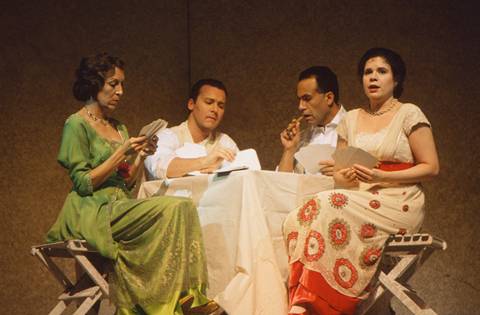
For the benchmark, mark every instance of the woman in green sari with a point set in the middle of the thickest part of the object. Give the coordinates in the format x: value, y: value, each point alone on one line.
x: 155, y: 244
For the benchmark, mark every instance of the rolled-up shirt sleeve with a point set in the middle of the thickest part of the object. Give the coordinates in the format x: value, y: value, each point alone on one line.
x: 227, y: 142
x: 157, y: 164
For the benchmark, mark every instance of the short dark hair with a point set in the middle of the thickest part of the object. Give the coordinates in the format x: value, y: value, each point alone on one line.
x: 393, y: 59
x: 91, y: 74
x: 326, y: 79
x: 211, y: 82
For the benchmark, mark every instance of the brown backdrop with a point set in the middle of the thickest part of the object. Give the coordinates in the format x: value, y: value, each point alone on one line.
x: 258, y: 51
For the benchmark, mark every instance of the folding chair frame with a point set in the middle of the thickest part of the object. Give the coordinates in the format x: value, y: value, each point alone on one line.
x: 410, y: 252
x: 91, y: 284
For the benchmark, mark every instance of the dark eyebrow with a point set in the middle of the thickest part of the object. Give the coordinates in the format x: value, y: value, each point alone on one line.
x: 304, y: 95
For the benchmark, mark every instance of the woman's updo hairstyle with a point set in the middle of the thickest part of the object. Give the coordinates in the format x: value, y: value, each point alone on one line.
x: 393, y: 59
x: 91, y: 73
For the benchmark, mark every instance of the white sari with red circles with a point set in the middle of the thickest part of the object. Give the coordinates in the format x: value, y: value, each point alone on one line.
x: 341, y: 233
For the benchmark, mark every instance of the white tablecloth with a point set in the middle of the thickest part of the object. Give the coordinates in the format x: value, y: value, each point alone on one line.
x: 241, y: 216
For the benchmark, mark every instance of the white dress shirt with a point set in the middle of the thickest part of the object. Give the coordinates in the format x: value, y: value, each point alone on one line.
x: 178, y: 142
x: 322, y: 135
x: 327, y: 134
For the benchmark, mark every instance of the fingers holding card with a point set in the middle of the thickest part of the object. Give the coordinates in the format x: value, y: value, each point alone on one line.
x: 347, y: 157
x: 152, y: 128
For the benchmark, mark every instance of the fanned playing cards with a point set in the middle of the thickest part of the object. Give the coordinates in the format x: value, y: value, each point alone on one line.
x: 148, y: 130
x: 152, y: 128
x: 346, y: 157
x: 310, y: 155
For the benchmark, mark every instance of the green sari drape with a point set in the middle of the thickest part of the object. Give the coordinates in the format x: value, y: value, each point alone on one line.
x: 155, y: 244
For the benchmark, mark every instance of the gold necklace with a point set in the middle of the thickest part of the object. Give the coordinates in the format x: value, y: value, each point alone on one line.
x: 393, y: 102
x: 104, y: 122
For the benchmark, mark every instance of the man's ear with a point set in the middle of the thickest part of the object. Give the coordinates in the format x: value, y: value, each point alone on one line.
x: 190, y: 104
x: 330, y: 98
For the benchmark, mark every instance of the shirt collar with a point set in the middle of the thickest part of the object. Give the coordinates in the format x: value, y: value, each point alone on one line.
x: 209, y: 140
x: 335, y: 121
x: 338, y: 117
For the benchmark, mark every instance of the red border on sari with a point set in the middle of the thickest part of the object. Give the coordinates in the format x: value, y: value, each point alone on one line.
x: 309, y: 289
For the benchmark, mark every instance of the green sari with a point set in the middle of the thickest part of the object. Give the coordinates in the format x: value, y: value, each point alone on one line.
x: 155, y: 244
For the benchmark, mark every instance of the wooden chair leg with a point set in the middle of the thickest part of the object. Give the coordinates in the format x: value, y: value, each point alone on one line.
x: 90, y: 285
x: 59, y: 308
x: 86, y: 307
x: 406, y: 296
x: 79, y: 274
x: 52, y: 267
x: 409, y: 252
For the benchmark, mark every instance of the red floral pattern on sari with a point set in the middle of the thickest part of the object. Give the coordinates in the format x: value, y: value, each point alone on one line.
x: 370, y: 256
x: 345, y: 273
x: 368, y: 230
x: 374, y: 204
x: 291, y: 243
x: 308, y: 212
x: 314, y: 246
x: 339, y: 233
x: 338, y: 200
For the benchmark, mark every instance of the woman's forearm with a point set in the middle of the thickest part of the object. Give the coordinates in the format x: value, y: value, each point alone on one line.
x: 426, y: 162
x: 101, y: 173
x: 419, y: 173
x: 135, y: 170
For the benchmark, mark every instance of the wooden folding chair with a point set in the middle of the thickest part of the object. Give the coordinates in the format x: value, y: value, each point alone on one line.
x: 91, y: 284
x: 407, y: 252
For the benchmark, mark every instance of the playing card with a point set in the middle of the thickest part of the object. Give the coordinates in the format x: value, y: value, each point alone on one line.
x: 346, y: 157
x: 152, y: 128
x: 310, y: 155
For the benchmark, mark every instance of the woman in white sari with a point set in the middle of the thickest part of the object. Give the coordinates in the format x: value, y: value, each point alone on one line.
x: 336, y: 239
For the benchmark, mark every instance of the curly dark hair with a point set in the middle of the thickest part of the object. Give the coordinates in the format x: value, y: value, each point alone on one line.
x: 393, y: 59
x: 91, y: 73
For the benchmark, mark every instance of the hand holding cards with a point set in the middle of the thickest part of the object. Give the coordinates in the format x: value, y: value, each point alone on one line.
x: 310, y: 155
x: 152, y: 128
x: 347, y: 157
x: 149, y: 132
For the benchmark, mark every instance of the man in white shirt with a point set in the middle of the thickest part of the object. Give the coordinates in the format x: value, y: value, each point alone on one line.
x: 195, y: 144
x: 318, y: 95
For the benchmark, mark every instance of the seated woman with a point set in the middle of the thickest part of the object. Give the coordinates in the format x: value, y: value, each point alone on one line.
x: 155, y: 244
x: 336, y: 239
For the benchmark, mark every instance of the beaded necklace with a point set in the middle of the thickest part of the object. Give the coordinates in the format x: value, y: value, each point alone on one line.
x: 393, y: 102
x: 104, y: 122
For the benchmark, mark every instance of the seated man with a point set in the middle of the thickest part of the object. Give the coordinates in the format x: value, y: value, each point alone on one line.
x: 318, y: 94
x: 195, y: 144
